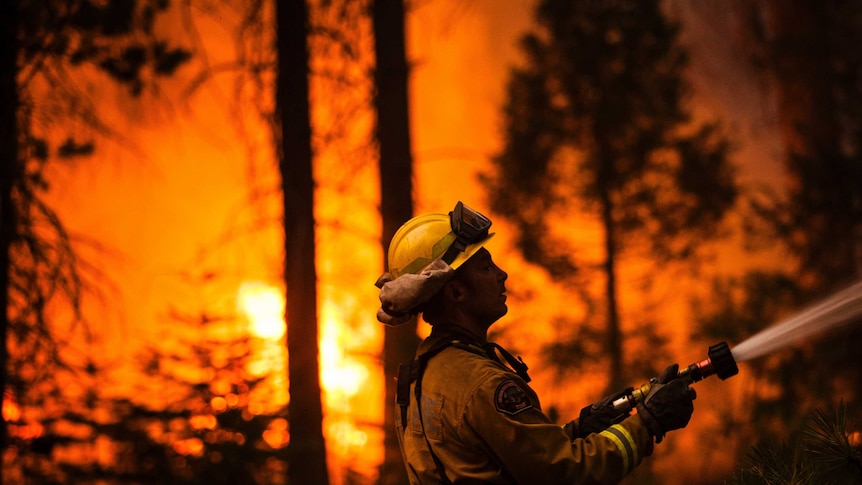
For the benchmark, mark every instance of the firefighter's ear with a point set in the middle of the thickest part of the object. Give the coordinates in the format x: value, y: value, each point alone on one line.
x: 455, y: 291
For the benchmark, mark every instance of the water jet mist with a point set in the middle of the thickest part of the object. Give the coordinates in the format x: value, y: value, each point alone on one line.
x: 838, y: 309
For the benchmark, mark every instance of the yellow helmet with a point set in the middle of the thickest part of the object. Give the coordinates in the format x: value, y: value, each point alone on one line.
x: 454, y: 238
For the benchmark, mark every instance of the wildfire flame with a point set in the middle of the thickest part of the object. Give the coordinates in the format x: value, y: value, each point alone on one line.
x: 11, y: 411
x: 263, y: 306
x: 343, y: 376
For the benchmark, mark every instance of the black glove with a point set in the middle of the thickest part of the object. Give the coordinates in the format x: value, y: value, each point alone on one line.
x: 600, y: 416
x: 668, y: 405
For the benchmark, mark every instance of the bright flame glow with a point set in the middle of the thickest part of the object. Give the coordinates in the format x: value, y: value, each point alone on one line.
x: 346, y: 434
x: 276, y: 435
x: 27, y: 431
x: 345, y: 373
x: 203, y: 421
x: 11, y: 411
x: 219, y: 404
x: 189, y: 446
x: 341, y: 376
x: 263, y: 306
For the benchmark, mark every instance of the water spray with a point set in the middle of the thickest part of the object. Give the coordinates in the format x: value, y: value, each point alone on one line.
x: 841, y: 308
x: 838, y: 309
x: 719, y: 362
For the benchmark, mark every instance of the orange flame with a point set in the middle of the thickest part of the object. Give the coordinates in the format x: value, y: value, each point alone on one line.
x: 263, y: 305
x: 11, y: 411
x: 344, y: 376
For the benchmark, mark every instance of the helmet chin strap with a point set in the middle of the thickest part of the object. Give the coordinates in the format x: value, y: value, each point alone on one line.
x: 454, y: 250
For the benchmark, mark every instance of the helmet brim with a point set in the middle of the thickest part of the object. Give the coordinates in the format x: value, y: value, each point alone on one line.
x: 469, y: 251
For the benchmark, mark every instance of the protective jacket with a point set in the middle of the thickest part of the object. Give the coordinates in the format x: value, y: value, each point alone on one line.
x: 481, y: 423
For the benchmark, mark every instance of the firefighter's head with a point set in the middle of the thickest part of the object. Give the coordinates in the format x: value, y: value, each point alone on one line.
x: 420, y: 248
x: 475, y: 296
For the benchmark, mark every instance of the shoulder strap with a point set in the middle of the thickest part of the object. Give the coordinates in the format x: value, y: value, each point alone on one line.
x: 411, y: 372
x: 517, y: 364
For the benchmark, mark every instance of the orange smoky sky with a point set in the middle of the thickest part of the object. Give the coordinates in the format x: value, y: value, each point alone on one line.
x: 185, y: 212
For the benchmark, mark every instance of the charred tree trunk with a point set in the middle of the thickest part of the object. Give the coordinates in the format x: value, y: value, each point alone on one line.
x: 613, y: 336
x: 8, y: 172
x: 307, y: 449
x: 396, y: 195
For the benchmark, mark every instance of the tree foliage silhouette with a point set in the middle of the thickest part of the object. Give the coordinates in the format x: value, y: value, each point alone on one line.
x: 47, y: 47
x: 813, y: 217
x: 596, y: 122
x: 822, y: 454
x: 196, y: 419
x: 819, y: 113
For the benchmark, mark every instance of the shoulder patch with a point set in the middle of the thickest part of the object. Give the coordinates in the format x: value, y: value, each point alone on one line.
x: 511, y: 399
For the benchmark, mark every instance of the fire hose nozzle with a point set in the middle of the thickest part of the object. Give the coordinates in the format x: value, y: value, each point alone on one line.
x: 720, y: 362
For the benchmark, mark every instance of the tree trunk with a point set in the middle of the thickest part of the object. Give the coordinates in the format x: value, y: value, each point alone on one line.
x: 613, y: 341
x: 307, y: 449
x: 8, y: 171
x: 396, y: 196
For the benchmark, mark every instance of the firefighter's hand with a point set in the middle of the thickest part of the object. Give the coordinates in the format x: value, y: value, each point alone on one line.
x: 668, y: 405
x: 600, y: 416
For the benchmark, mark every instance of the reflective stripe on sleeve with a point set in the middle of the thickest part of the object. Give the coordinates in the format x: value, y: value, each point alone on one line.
x: 626, y: 444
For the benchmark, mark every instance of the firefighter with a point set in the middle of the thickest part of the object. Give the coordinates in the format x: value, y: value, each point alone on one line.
x: 466, y: 412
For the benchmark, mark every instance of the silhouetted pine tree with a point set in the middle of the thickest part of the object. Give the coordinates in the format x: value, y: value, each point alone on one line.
x: 823, y: 455
x: 808, y: 56
x: 48, y: 48
x: 187, y: 420
x: 596, y: 123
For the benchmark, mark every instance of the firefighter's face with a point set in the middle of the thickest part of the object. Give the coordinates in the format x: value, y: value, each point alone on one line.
x: 485, y: 284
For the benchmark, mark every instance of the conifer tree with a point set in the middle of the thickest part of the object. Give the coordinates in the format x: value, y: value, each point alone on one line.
x: 822, y: 454
x: 197, y: 418
x: 596, y: 122
x: 806, y: 52
x: 48, y: 47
